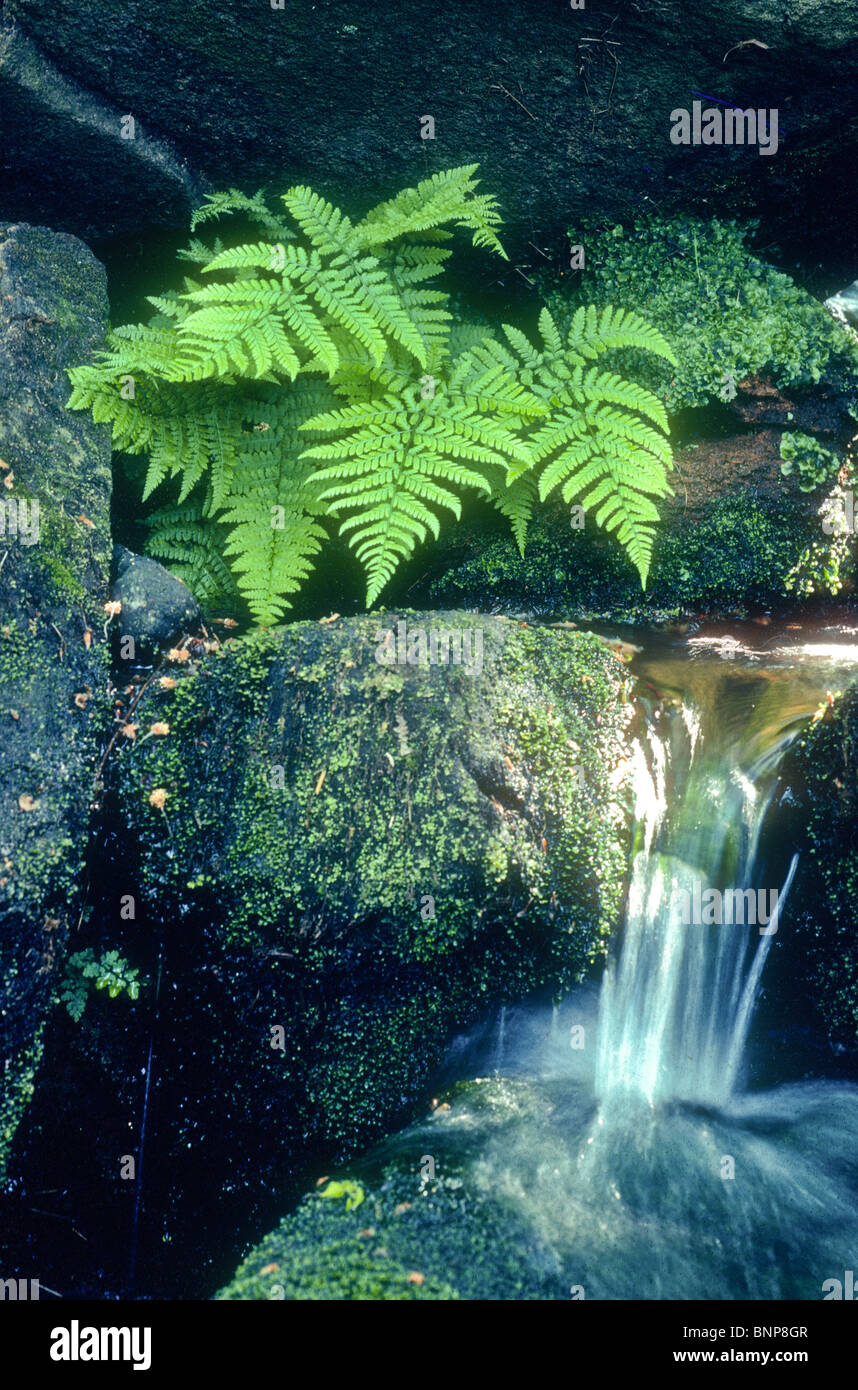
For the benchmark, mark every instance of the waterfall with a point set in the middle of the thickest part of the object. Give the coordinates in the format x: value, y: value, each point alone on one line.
x: 677, y: 1002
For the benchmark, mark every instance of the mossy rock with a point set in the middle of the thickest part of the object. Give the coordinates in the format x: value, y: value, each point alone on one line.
x: 403, y: 1225
x: 740, y: 554
x: 53, y: 582
x: 820, y: 771
x: 319, y: 792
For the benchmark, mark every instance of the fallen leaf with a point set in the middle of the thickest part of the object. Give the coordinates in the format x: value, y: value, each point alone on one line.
x: 9, y: 480
x: 331, y: 619
x: 269, y: 1269
x: 14, y: 713
x: 319, y: 1181
x: 416, y: 1278
x: 322, y: 776
x: 4, y: 465
x: 27, y: 803
x: 86, y: 521
x: 87, y: 637
x: 746, y: 43
x: 368, y: 1231
x: 403, y: 1206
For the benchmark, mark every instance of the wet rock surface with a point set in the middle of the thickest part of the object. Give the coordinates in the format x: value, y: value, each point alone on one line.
x: 54, y: 561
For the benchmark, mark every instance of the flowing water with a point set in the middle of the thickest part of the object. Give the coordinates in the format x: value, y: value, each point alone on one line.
x: 619, y: 1135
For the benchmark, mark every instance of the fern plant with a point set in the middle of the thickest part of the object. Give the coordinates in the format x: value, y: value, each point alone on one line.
x: 312, y: 376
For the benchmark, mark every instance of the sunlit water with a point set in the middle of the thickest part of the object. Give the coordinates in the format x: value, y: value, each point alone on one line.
x: 619, y: 1135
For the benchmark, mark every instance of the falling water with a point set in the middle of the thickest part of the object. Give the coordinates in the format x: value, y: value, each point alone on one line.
x: 677, y: 1003
x: 501, y: 1039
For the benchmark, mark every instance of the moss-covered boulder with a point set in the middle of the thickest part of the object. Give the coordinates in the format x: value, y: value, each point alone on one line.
x: 316, y: 783
x: 397, y: 1230
x: 54, y: 561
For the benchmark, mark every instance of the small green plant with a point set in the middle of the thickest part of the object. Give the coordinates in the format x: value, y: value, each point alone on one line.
x: 83, y: 971
x: 312, y: 376
x: 804, y: 456
x: 352, y: 1191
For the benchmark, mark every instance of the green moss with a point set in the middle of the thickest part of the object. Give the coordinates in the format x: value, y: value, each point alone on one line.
x: 425, y: 1213
x: 726, y: 313
x: 389, y: 793
x: 741, y: 553
x: 18, y: 1079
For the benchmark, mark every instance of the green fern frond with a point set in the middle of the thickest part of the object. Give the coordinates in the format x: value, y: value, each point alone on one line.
x: 396, y: 462
x: 316, y: 371
x: 234, y: 201
x: 597, y: 444
x: 190, y: 545
x: 516, y: 502
x: 448, y: 196
x: 592, y: 333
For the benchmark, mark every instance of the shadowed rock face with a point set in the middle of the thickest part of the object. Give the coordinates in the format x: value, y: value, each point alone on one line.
x: 567, y: 110
x: 53, y: 583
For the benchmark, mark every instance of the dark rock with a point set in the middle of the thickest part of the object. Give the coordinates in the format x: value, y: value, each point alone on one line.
x: 65, y: 160
x: 156, y: 606
x: 54, y: 563
x: 567, y: 111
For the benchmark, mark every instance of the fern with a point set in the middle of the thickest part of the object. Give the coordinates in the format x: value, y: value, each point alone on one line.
x: 597, y: 445
x: 313, y: 377
x: 398, y: 460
